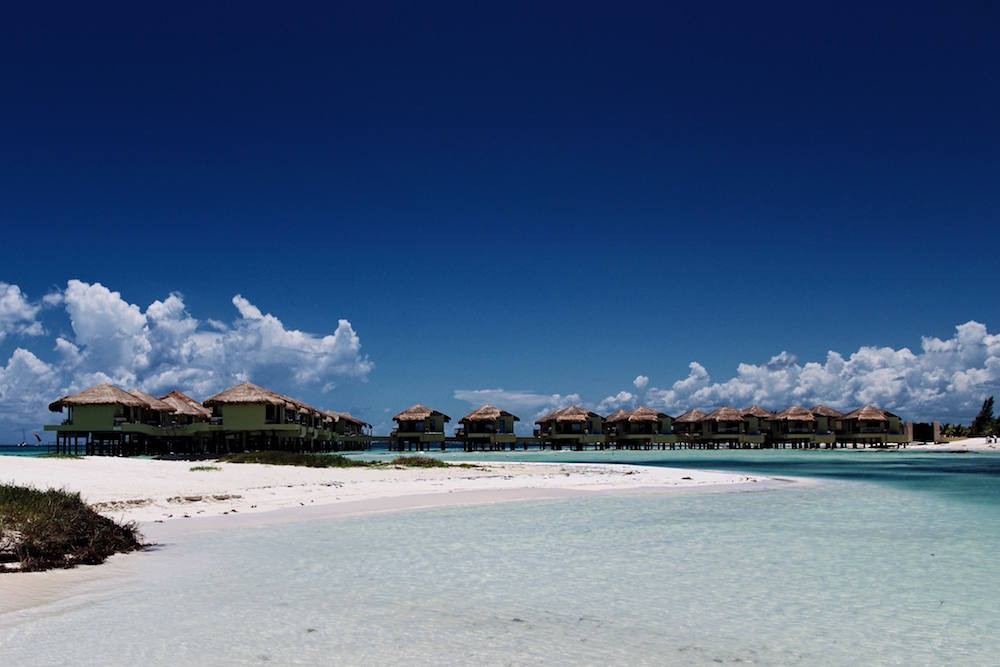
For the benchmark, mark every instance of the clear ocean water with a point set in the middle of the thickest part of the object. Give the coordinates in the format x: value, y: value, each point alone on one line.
x: 893, y: 559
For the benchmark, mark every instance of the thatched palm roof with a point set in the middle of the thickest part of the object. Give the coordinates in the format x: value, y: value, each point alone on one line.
x: 152, y: 402
x: 724, y: 414
x: 487, y: 413
x: 417, y: 413
x: 823, y: 411
x: 245, y: 393
x: 639, y: 414
x: 758, y: 412
x: 617, y: 416
x: 102, y: 394
x: 690, y: 417
x: 185, y: 405
x: 869, y: 413
x: 347, y: 417
x: 795, y: 413
x: 571, y: 414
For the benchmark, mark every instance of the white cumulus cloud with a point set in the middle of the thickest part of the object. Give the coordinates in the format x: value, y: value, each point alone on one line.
x: 17, y: 314
x: 162, y: 347
x: 640, y: 382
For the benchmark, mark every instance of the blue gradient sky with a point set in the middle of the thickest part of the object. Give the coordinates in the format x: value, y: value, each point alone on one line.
x: 483, y: 191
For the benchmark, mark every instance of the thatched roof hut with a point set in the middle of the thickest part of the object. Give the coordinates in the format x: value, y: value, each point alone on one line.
x: 869, y: 413
x: 152, y: 402
x: 639, y: 414
x: 246, y: 393
x: 102, y: 394
x: 823, y: 411
x: 487, y: 413
x: 186, y: 406
x: 795, y: 413
x: 758, y: 412
x: 690, y: 417
x: 724, y: 414
x: 571, y: 414
x: 417, y: 413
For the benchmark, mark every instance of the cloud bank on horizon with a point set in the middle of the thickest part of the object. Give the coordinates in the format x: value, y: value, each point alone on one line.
x: 158, y: 349
x: 946, y: 380
x: 163, y: 346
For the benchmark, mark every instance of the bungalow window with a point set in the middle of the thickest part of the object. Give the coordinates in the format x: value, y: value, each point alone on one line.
x: 419, y: 427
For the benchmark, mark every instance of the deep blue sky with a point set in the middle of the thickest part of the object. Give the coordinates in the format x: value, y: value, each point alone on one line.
x: 549, y: 198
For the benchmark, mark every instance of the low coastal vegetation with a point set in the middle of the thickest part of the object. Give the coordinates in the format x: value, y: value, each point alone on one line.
x: 41, y: 530
x: 310, y: 460
x: 420, y: 462
x: 304, y: 459
x: 205, y: 468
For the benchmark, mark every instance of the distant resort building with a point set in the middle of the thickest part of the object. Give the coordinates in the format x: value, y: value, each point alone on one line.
x: 106, y: 419
x: 687, y: 426
x: 639, y: 428
x: 570, y: 427
x: 870, y: 426
x: 797, y: 427
x: 352, y: 433
x: 824, y: 418
x: 731, y: 427
x: 418, y: 427
x: 487, y: 428
x: 186, y: 409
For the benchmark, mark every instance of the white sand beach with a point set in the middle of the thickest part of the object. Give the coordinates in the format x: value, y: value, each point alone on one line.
x: 153, y: 492
x: 965, y: 445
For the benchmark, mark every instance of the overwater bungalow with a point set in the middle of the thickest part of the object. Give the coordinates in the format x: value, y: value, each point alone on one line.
x: 155, y: 412
x: 796, y: 427
x: 731, y: 427
x: 687, y: 426
x: 106, y: 419
x: 352, y: 433
x: 869, y: 426
x: 247, y: 416
x: 824, y: 418
x: 639, y: 428
x: 573, y: 427
x: 487, y: 428
x: 418, y: 427
x: 186, y: 409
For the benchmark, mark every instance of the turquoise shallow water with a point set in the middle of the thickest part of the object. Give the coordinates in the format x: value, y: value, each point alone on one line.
x: 888, y: 561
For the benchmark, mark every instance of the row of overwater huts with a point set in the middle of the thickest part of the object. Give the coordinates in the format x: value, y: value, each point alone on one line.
x: 106, y: 419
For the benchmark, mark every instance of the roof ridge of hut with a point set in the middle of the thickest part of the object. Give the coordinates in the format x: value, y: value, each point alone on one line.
x: 691, y: 416
x: 99, y: 394
x: 152, y: 402
x: 487, y: 412
x: 246, y: 392
x: 795, y: 413
x: 419, y: 411
x: 185, y: 405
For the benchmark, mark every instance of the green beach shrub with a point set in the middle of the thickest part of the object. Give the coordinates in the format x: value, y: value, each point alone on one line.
x: 419, y: 462
x: 41, y: 530
x: 306, y: 459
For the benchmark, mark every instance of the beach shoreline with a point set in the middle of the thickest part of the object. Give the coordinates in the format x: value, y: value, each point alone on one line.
x: 170, y: 502
x: 155, y: 493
